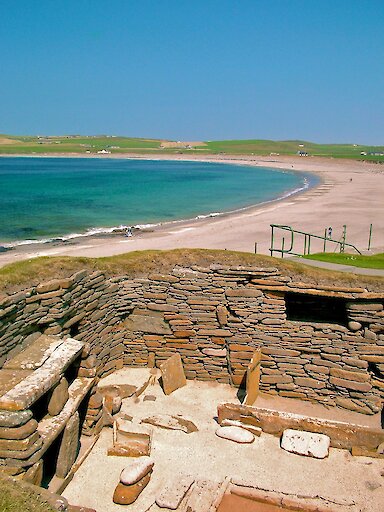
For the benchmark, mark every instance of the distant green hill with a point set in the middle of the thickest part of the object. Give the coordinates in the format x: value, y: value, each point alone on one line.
x: 80, y: 144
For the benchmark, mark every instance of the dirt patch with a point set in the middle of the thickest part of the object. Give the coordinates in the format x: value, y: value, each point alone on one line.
x: 181, y: 144
x: 6, y: 141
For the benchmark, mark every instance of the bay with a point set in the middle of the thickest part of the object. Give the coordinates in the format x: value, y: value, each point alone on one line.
x: 45, y: 198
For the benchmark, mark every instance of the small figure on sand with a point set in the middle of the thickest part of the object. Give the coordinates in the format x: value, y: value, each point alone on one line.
x: 128, y: 231
x: 329, y: 232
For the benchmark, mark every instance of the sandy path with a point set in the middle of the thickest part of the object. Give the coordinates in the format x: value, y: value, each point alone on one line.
x: 350, y: 193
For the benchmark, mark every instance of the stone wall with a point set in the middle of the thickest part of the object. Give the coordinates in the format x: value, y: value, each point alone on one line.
x: 215, y: 317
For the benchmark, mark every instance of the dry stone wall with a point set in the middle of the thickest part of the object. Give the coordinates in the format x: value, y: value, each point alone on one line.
x: 214, y: 317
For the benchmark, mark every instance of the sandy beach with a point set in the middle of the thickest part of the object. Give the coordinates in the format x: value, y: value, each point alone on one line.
x: 350, y: 193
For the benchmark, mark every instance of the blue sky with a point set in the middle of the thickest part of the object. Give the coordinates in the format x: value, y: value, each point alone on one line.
x: 201, y: 70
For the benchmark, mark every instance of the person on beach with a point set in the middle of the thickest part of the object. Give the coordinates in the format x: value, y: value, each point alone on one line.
x: 128, y: 232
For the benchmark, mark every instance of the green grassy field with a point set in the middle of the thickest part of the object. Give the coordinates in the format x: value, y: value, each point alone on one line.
x: 355, y: 260
x: 10, y: 144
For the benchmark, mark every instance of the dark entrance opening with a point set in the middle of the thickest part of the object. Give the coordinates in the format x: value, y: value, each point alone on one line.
x: 312, y: 308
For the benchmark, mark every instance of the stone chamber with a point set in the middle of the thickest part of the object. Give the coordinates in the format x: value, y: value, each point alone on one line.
x: 319, y: 343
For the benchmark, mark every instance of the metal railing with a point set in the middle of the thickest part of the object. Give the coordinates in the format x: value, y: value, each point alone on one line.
x: 308, y: 237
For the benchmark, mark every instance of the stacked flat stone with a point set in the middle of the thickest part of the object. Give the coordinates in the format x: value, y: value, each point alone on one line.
x: 19, y: 439
x: 214, y: 317
x: 33, y: 373
x: 93, y: 418
x: 133, y: 480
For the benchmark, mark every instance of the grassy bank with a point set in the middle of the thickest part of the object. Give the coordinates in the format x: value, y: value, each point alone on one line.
x: 355, y: 260
x: 15, y: 497
x: 29, y: 273
x: 12, y: 145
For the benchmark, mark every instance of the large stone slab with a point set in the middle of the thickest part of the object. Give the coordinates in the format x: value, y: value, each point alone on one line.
x: 253, y: 378
x: 148, y: 324
x: 173, y: 493
x: 20, y: 432
x: 14, y: 418
x: 33, y: 386
x: 306, y: 443
x: 10, y: 378
x: 172, y: 373
x: 342, y: 435
x: 19, y: 444
x: 35, y: 355
x: 69, y: 446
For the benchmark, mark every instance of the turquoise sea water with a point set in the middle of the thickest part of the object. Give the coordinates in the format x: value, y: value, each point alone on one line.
x: 45, y: 198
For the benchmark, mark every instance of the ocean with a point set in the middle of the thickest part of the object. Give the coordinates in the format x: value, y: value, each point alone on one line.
x: 48, y: 198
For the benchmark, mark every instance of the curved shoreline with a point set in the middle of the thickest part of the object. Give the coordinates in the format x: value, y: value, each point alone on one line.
x: 348, y: 192
x: 98, y: 231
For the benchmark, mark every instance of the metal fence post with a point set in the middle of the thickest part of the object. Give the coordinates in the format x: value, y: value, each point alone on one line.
x: 370, y: 237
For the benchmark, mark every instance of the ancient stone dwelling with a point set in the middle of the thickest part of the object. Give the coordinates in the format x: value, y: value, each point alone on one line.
x: 322, y: 344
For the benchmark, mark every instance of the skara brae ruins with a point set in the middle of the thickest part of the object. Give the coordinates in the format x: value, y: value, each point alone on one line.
x: 206, y: 388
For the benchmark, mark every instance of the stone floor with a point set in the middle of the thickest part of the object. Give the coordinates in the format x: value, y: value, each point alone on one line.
x: 354, y: 482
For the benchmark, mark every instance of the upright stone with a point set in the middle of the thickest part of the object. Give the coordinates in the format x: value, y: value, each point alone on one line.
x: 58, y: 398
x: 253, y: 378
x: 172, y: 373
x: 69, y: 446
x: 151, y: 360
x: 34, y: 474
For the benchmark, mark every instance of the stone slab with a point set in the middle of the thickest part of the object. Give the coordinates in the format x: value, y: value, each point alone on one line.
x: 172, y: 373
x: 256, y: 431
x: 117, y: 390
x: 35, y: 355
x: 19, y: 444
x: 253, y: 378
x: 136, y: 470
x: 69, y: 447
x: 20, y: 432
x: 134, y: 448
x: 10, y: 378
x: 58, y: 398
x: 147, y: 324
x: 306, y: 443
x: 173, y: 493
x: 170, y: 422
x: 34, y: 385
x: 14, y: 418
x: 342, y: 435
x: 235, y: 434
x: 128, y: 494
